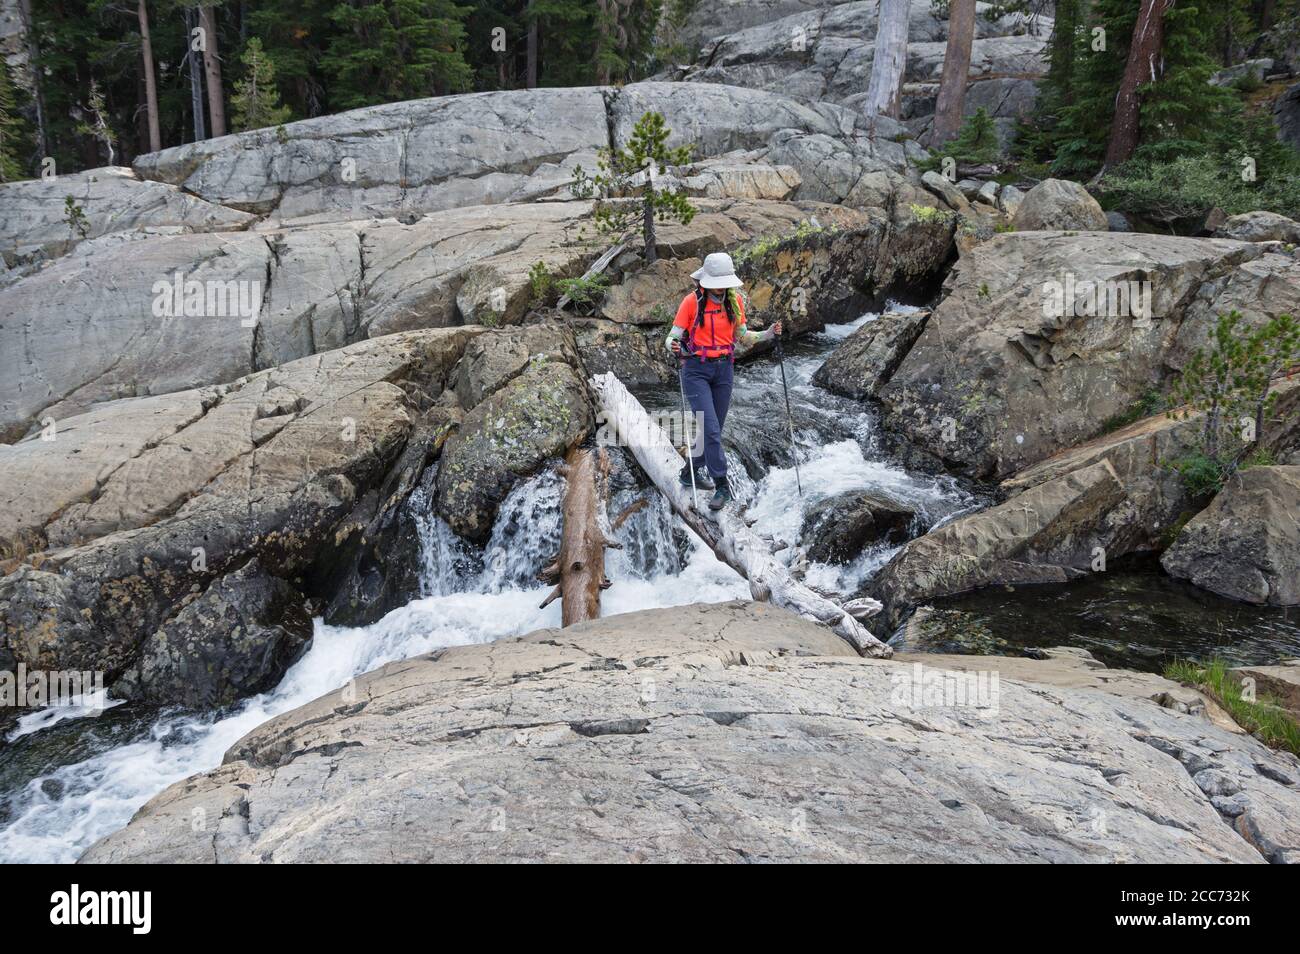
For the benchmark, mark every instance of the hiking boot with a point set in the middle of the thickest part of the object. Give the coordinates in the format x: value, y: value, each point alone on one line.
x: 722, y: 496
x: 702, y: 479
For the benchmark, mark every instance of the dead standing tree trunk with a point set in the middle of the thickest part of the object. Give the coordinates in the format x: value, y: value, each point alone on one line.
x: 727, y: 534
x: 1145, y: 64
x: 578, y: 572
x: 885, y: 88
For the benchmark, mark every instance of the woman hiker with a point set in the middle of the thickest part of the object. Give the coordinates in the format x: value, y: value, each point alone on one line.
x: 709, y: 322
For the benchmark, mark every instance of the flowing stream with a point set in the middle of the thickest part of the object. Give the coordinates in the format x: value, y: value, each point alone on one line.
x: 68, y: 779
x: 65, y: 782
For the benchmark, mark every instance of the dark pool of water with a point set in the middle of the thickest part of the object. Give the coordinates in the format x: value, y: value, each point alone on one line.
x: 1135, y: 617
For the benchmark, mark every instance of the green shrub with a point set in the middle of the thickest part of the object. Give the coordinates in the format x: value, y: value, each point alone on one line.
x: 1259, y: 458
x: 929, y: 215
x: 540, y: 282
x: 1187, y: 187
x: 75, y: 218
x: 1202, y: 474
x: 1248, y: 82
x: 1242, y: 168
x: 584, y: 291
x: 976, y: 143
x: 765, y: 245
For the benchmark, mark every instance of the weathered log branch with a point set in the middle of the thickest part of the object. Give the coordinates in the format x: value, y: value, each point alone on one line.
x: 598, y: 266
x: 727, y: 535
x: 578, y: 572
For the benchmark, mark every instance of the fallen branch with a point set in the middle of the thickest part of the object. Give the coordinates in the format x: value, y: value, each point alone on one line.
x: 635, y: 507
x: 727, y: 536
x: 598, y: 266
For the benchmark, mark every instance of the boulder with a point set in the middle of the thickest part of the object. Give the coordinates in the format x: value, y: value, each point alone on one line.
x: 857, y: 171
x: 719, y: 180
x: 1059, y: 205
x: 35, y: 219
x: 90, y: 330
x: 1286, y: 113
x: 1039, y: 340
x: 236, y: 639
x: 1258, y: 289
x: 1065, y: 516
x: 588, y: 744
x: 1043, y: 535
x: 637, y: 356
x: 139, y: 506
x: 423, y: 155
x: 646, y: 297
x: 1246, y: 544
x: 1260, y: 227
x: 491, y: 361
x: 1119, y: 222
x: 1010, y: 199
x: 709, y: 20
x: 861, y: 364
x: 538, y: 415
x: 951, y: 193
x: 1258, y: 68
x: 841, y: 526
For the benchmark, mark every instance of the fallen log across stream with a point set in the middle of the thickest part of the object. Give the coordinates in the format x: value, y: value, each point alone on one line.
x: 727, y: 534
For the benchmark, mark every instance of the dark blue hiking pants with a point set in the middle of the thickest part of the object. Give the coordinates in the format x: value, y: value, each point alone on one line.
x: 708, y: 389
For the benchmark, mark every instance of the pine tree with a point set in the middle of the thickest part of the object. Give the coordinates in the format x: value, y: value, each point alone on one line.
x: 397, y: 49
x: 295, y: 37
x: 623, y: 173
x: 976, y: 142
x: 11, y: 130
x: 568, y: 34
x: 1181, y: 112
x: 1176, y: 111
x: 256, y: 102
x: 625, y: 33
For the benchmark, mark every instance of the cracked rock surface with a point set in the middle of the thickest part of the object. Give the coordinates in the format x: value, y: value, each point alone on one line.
x: 724, y: 732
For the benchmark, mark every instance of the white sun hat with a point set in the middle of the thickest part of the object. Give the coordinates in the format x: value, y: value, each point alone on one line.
x: 718, y: 271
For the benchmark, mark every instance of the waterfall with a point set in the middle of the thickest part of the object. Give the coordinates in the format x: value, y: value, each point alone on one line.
x: 74, y: 794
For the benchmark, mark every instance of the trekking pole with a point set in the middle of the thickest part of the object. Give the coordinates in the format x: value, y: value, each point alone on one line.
x: 686, y: 444
x: 789, y: 418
